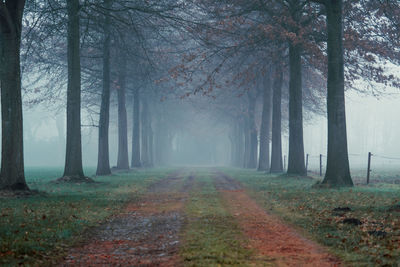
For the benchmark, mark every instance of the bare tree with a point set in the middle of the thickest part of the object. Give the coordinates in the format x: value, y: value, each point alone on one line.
x: 103, y: 163
x: 265, y: 131
x: 73, y: 170
x: 12, y: 151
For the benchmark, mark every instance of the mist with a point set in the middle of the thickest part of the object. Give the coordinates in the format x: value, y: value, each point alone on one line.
x: 201, y: 139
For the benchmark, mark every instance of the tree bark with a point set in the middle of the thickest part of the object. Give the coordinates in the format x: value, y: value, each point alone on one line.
x: 337, y: 168
x: 12, y: 151
x: 136, y: 131
x: 123, y: 157
x: 73, y: 159
x: 265, y: 131
x: 103, y: 156
x: 296, y: 143
x: 276, y: 150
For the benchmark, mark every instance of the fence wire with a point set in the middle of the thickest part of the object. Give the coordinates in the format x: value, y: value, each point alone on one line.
x: 383, y: 168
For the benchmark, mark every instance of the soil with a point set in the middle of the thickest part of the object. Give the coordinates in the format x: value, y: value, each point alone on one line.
x: 145, y: 234
x: 267, y: 234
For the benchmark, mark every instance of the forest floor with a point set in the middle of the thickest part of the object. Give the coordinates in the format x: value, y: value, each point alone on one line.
x: 201, y: 217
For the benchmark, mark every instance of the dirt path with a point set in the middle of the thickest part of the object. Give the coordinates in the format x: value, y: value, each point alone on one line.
x: 267, y: 234
x: 145, y: 234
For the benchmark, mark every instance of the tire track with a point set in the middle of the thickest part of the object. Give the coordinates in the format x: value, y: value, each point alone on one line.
x: 145, y: 234
x: 267, y: 234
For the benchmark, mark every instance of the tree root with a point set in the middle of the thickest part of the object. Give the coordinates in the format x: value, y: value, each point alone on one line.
x: 75, y: 179
x: 11, y: 193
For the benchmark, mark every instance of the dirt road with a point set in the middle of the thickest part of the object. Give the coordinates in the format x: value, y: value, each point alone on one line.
x: 149, y: 231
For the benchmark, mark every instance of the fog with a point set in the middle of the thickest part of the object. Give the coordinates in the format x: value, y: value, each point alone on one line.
x: 202, y: 139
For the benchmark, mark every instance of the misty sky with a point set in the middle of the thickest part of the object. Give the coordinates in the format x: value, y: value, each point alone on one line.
x: 372, y: 126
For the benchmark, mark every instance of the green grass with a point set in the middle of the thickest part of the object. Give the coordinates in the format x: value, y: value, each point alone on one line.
x: 37, y: 229
x: 310, y: 210
x: 211, y: 236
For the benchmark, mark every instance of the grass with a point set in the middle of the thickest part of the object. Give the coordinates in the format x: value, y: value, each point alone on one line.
x: 38, y: 229
x: 211, y: 236
x: 310, y: 210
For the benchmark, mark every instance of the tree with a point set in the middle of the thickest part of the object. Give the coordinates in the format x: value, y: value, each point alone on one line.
x: 296, y: 143
x: 276, y: 143
x: 103, y: 160
x: 265, y: 131
x: 73, y: 170
x: 12, y: 153
x: 252, y: 140
x: 123, y: 157
x: 145, y: 155
x: 136, y: 163
x: 150, y: 137
x: 337, y: 169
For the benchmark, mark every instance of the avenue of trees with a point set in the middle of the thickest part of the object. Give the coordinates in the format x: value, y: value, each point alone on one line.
x: 261, y: 67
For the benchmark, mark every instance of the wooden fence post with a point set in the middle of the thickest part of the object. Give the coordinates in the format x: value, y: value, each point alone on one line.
x: 320, y: 164
x: 284, y: 162
x: 369, y: 166
x: 307, y: 164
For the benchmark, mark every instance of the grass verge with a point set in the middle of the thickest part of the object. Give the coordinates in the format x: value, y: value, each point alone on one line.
x: 38, y: 229
x: 376, y: 242
x: 211, y: 236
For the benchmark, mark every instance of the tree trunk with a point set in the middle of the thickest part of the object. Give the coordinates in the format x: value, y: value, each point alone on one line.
x: 240, y: 145
x: 73, y: 159
x: 337, y: 167
x: 276, y: 151
x: 103, y: 157
x: 168, y: 150
x: 158, y: 160
x: 232, y: 139
x: 123, y: 157
x: 145, y: 140
x: 150, y: 139
x: 12, y: 152
x: 136, y: 131
x: 252, y: 164
x: 263, y: 163
x: 246, y: 133
x: 296, y: 144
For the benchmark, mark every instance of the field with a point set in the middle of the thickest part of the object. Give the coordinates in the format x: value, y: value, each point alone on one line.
x: 205, y: 209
